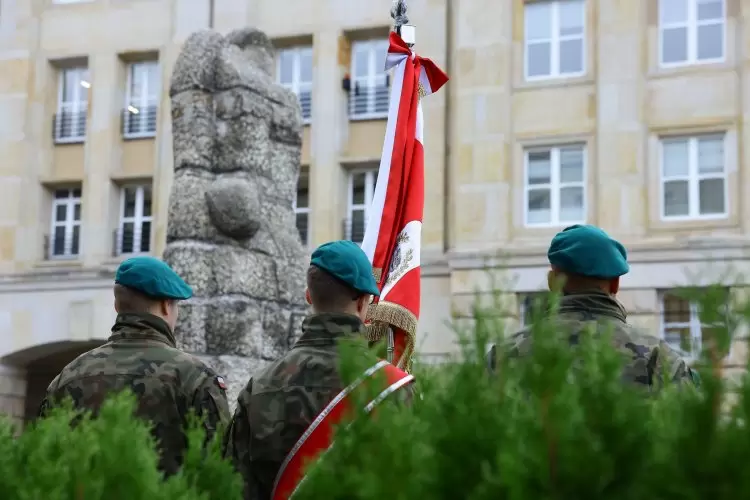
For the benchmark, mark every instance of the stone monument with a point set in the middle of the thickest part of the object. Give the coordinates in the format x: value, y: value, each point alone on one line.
x: 231, y: 230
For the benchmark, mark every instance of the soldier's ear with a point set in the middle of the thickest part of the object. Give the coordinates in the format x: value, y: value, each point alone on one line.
x: 614, y: 286
x: 307, y: 296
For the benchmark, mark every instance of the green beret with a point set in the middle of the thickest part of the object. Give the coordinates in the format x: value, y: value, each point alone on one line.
x: 346, y: 261
x: 152, y: 277
x: 588, y: 251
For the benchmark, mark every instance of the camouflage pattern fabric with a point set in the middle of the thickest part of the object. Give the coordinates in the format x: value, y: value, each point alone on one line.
x: 651, y: 361
x: 140, y: 355
x: 281, y: 402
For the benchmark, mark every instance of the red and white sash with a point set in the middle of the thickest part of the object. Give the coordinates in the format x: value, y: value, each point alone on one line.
x: 318, y: 437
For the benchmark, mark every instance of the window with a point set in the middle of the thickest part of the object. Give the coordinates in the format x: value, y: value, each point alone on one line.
x: 693, y: 177
x: 295, y: 73
x: 134, y: 235
x: 302, y: 208
x: 555, y: 186
x: 369, y: 85
x: 141, y: 100
x: 66, y: 224
x: 682, y: 327
x: 554, y: 38
x: 691, y: 31
x: 72, y: 104
x: 361, y: 190
x: 532, y: 306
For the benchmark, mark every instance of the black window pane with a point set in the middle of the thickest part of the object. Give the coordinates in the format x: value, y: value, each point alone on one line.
x: 58, y: 241
x: 145, y: 236
x: 61, y: 213
x: 76, y: 240
x: 128, y: 237
x: 147, y: 201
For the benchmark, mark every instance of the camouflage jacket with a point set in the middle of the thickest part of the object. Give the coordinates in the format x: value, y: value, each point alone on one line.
x: 280, y: 403
x: 650, y: 359
x: 140, y: 355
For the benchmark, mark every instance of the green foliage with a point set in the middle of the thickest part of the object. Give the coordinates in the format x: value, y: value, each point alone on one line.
x: 560, y: 425
x: 111, y: 457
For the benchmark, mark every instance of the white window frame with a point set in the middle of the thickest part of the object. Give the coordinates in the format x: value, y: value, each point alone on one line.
x: 370, y: 181
x: 69, y: 224
x: 375, y: 71
x: 138, y: 219
x: 79, y: 105
x: 555, y: 186
x: 148, y: 98
x: 304, y: 210
x: 554, y: 41
x: 692, y: 24
x: 693, y: 178
x: 694, y: 325
x: 297, y: 85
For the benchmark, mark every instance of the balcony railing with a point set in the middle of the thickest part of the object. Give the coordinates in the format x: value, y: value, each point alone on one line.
x: 63, y: 244
x: 69, y: 127
x: 139, y: 122
x: 305, y: 104
x: 132, y: 239
x: 354, y: 230
x: 368, y: 102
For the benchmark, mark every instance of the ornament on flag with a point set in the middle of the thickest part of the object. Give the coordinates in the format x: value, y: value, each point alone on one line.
x: 393, y: 233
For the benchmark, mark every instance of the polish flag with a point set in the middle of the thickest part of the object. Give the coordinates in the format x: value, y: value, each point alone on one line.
x: 393, y: 233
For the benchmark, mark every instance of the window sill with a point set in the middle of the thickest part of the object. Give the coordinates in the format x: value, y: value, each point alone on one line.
x: 60, y: 262
x: 554, y: 82
x: 368, y: 117
x: 672, y: 71
x: 63, y: 141
x: 137, y: 137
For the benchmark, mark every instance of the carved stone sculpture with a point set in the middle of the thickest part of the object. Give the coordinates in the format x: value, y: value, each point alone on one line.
x: 231, y: 230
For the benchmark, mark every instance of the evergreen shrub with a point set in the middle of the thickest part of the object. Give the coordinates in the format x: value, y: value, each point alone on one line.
x: 559, y: 425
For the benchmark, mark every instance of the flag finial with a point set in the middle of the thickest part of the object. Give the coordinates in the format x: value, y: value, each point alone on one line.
x: 401, y: 25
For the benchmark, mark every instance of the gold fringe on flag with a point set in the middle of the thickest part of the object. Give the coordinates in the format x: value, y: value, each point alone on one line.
x: 385, y: 315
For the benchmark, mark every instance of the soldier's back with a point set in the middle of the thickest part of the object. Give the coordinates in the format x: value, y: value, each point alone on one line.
x: 649, y: 362
x: 281, y: 401
x: 165, y: 381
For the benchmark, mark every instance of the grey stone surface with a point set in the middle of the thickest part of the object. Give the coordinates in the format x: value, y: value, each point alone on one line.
x: 231, y: 233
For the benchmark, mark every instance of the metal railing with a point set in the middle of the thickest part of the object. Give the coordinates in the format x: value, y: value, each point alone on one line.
x: 69, y: 127
x: 305, y: 104
x: 368, y: 102
x: 139, y: 122
x: 61, y: 245
x: 131, y: 240
x: 353, y: 230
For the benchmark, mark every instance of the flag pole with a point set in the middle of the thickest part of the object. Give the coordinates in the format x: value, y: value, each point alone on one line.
x: 408, y: 33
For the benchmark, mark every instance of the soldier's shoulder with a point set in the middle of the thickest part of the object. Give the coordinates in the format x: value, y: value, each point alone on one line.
x: 89, y: 361
x: 299, y: 368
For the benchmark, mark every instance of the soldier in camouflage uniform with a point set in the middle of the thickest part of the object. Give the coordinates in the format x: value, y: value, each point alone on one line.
x: 589, y: 265
x: 141, y: 356
x: 281, y: 402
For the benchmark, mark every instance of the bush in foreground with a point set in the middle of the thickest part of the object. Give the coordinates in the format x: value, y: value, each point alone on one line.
x: 560, y: 425
x: 111, y: 457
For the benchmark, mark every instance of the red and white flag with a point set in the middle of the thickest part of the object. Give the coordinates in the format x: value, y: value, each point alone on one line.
x: 393, y: 233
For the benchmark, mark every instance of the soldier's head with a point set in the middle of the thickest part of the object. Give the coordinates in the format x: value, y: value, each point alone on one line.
x: 129, y: 300
x: 584, y: 257
x: 340, y: 279
x: 147, y: 285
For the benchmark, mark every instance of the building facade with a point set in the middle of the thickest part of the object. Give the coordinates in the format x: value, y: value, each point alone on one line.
x: 628, y: 115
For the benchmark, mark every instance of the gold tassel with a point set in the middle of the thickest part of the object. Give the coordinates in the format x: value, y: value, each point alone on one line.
x: 385, y: 315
